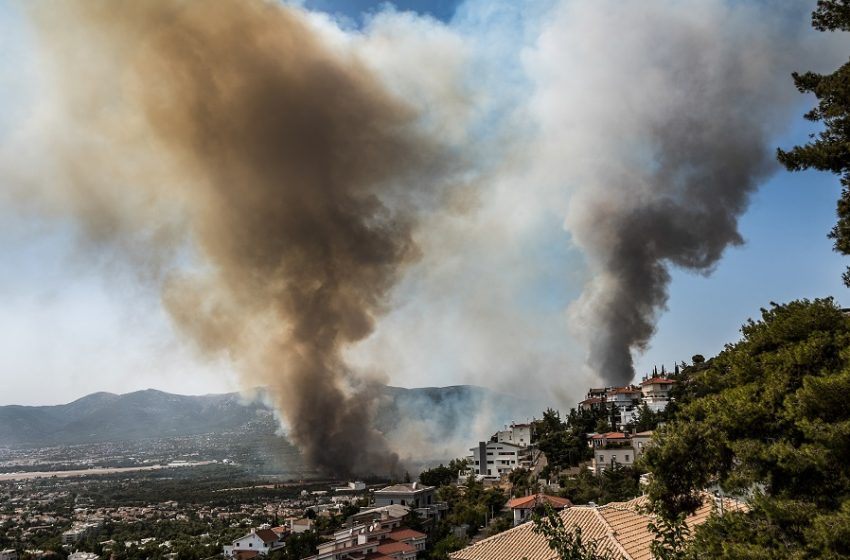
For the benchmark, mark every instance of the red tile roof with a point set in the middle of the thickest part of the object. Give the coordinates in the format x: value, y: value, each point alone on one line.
x: 531, y: 502
x: 267, y: 535
x: 246, y: 554
x: 618, y: 528
x: 660, y: 380
x: 611, y: 435
x: 623, y: 391
x: 393, y: 547
x: 406, y: 534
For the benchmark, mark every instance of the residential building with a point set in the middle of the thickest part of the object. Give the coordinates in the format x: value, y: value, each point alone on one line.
x: 8, y: 554
x: 517, y: 434
x: 495, y: 459
x: 377, y: 540
x: 522, y: 508
x: 367, y: 515
x: 301, y: 525
x: 412, y: 494
x: 356, y: 486
x: 83, y: 556
x: 618, y: 528
x: 640, y: 440
x: 655, y: 392
x: 610, y: 450
x: 79, y: 531
x: 259, y: 541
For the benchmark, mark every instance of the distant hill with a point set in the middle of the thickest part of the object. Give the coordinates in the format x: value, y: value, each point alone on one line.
x: 101, y: 417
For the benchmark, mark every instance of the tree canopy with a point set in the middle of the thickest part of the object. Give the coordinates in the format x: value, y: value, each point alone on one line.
x: 767, y: 420
x: 828, y: 150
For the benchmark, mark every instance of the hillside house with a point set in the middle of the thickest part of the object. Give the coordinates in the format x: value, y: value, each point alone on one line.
x: 257, y: 542
x: 495, y: 459
x: 516, y: 434
x: 655, y: 392
x: 523, y: 508
x: 414, y: 495
x: 377, y: 540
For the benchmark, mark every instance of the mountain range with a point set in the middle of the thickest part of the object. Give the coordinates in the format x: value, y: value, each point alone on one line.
x: 102, y: 417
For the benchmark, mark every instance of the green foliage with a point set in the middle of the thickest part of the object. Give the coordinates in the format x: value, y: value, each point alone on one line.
x: 613, y: 485
x: 567, y: 543
x: 768, y: 418
x: 441, y: 475
x: 446, y: 545
x: 828, y: 149
x: 471, y: 505
x: 521, y: 482
x: 565, y: 443
x: 646, y: 419
x: 671, y: 538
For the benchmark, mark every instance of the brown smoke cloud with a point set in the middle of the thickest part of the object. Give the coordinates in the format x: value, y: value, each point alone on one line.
x: 266, y: 179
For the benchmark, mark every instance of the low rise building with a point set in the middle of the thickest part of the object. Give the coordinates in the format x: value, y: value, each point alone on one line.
x: 9, y: 554
x: 523, y: 508
x: 516, y: 434
x: 83, y: 556
x: 495, y: 459
x: 259, y: 541
x: 411, y: 494
x: 656, y: 392
x: 617, y: 449
x: 381, y: 539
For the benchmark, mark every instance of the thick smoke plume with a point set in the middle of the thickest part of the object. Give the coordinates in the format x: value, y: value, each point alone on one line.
x: 663, y: 115
x: 269, y: 176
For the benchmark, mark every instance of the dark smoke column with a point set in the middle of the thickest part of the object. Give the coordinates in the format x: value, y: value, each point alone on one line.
x: 293, y: 174
x: 657, y: 118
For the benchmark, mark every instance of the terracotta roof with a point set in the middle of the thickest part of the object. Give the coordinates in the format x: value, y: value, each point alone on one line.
x: 592, y: 400
x: 246, y: 554
x: 394, y: 547
x: 611, y: 435
x: 643, y: 434
x: 531, y: 502
x: 623, y: 391
x: 654, y: 380
x: 406, y: 534
x: 618, y: 528
x: 267, y: 535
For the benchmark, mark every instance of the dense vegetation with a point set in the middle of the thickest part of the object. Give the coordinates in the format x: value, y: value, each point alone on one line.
x: 766, y: 420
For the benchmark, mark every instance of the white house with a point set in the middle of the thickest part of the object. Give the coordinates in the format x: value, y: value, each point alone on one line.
x: 517, y: 434
x: 8, y: 554
x: 379, y: 538
x: 495, y: 459
x: 259, y: 541
x: 655, y: 392
x: 617, y: 449
x: 83, y: 556
x: 411, y: 494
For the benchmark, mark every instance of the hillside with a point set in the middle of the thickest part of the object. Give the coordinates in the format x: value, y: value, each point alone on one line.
x: 152, y: 414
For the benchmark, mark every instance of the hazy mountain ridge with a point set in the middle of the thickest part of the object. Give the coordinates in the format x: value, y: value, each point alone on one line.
x: 151, y: 414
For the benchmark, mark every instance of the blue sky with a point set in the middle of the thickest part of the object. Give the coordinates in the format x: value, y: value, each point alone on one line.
x: 73, y: 323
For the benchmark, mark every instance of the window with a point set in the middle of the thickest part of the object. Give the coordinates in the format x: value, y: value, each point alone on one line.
x: 627, y: 458
x: 602, y: 458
